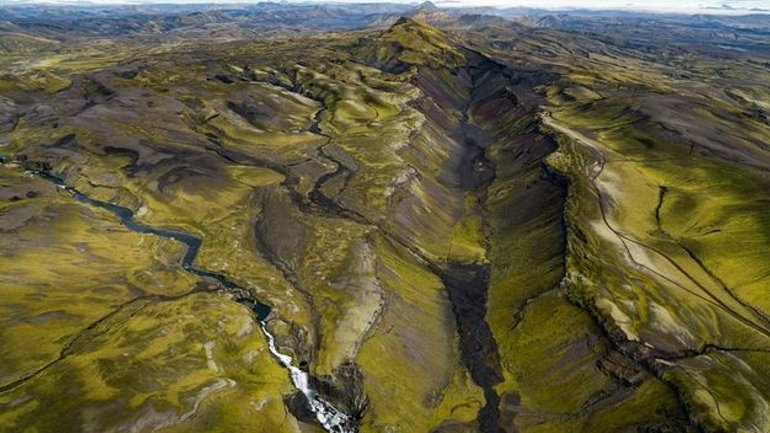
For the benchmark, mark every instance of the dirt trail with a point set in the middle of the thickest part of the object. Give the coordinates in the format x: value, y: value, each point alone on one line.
x: 682, y: 278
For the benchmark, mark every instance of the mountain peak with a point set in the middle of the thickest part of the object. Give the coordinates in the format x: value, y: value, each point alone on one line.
x: 412, y: 42
x: 402, y: 21
x: 412, y: 24
x: 427, y: 6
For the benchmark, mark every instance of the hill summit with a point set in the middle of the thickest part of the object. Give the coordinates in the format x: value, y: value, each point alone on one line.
x: 409, y: 42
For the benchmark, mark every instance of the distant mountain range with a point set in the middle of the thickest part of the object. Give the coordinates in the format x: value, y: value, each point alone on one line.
x: 489, y: 6
x: 232, y: 20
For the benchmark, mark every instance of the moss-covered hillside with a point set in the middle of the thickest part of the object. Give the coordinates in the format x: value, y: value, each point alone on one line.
x: 504, y: 229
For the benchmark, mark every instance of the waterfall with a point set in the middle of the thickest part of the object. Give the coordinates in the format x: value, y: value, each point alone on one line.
x: 332, y: 419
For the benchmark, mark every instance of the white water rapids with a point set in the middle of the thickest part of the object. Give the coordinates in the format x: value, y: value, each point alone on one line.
x: 332, y: 419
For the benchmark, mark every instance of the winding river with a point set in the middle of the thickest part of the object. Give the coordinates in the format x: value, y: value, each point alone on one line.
x: 332, y: 419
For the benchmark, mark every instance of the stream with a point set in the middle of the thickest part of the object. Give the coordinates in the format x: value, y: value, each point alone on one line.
x: 331, y: 419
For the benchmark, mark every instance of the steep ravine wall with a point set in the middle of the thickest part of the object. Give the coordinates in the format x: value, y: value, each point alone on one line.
x: 560, y: 368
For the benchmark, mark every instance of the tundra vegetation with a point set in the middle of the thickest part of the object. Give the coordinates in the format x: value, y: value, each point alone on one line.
x: 459, y: 222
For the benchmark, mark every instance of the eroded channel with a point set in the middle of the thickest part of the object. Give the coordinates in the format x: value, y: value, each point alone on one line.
x: 328, y: 416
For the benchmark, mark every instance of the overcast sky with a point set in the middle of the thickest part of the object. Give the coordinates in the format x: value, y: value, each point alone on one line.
x: 638, y: 4
x: 648, y: 5
x: 659, y: 5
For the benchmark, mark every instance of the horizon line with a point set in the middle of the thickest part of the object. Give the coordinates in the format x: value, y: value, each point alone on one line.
x: 722, y: 8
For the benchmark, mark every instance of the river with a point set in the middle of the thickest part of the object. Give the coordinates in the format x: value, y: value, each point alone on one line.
x: 329, y: 417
